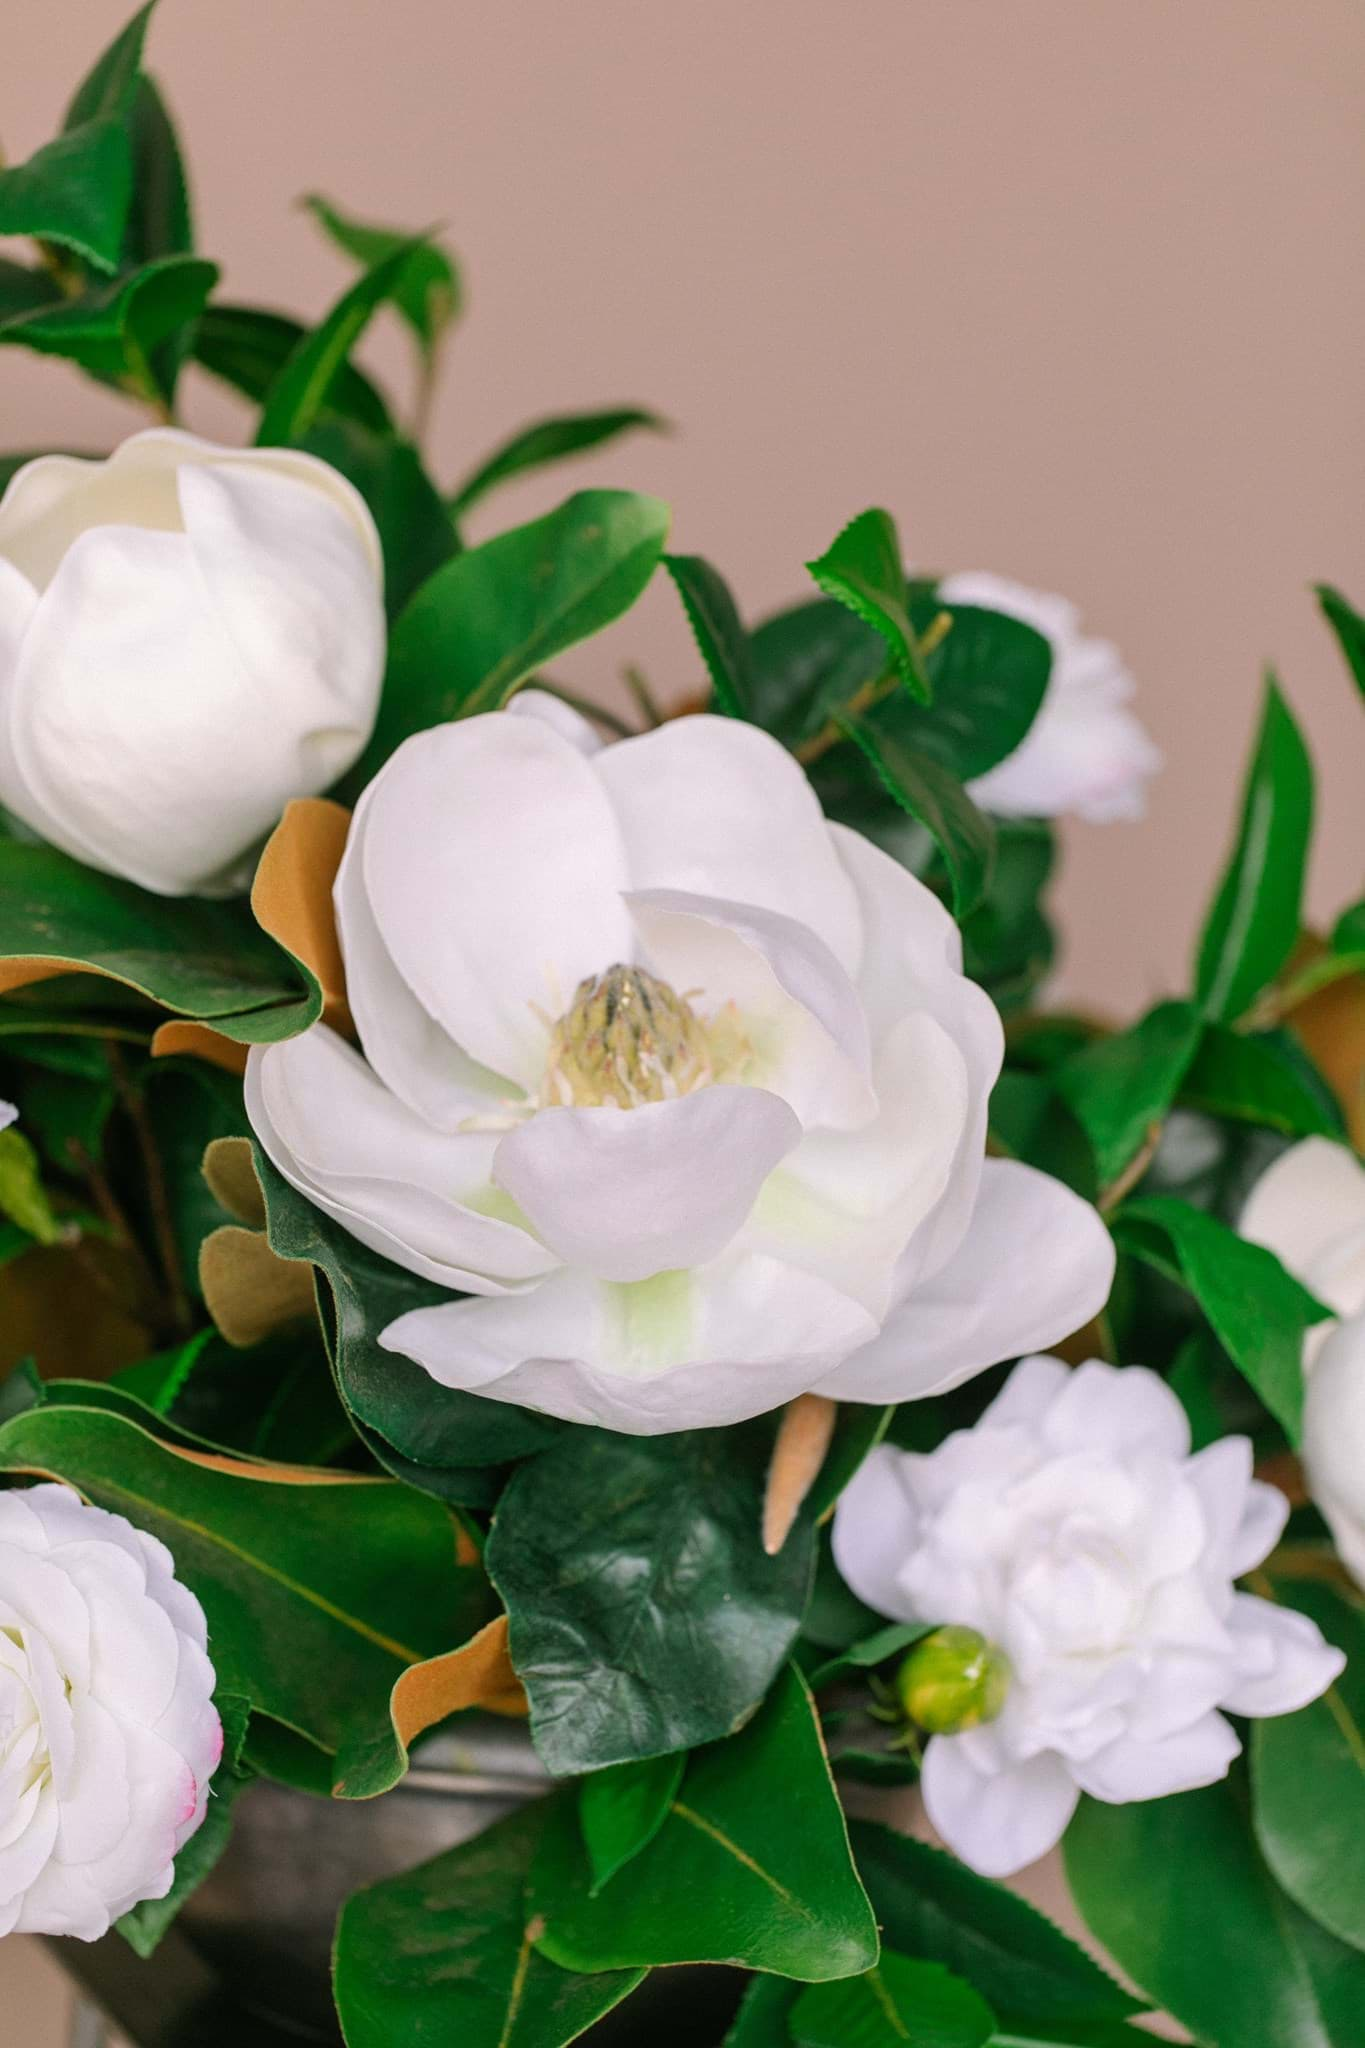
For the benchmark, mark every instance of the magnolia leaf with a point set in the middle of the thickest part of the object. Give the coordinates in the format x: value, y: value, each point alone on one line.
x: 549, y: 440
x: 621, y: 1809
x: 478, y: 1674
x: 862, y: 569
x: 1252, y: 1081
x: 895, y: 2002
x: 1122, y: 1086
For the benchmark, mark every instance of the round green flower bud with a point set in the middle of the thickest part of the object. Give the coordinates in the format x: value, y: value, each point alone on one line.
x: 953, y: 1680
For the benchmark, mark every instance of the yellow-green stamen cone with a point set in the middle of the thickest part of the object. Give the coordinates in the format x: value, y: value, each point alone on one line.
x: 953, y: 1680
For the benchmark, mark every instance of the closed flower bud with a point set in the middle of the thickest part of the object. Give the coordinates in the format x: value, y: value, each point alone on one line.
x: 953, y: 1680
x: 189, y: 637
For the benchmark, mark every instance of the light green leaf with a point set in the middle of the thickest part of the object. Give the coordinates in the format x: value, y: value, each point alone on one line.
x: 931, y: 793
x: 23, y: 1198
x: 897, y: 2003
x: 621, y: 1810
x: 443, y: 1954
x: 1254, y: 922
x: 862, y: 569
x: 1258, y: 1312
x: 304, y: 386
x: 1308, y: 1774
x: 488, y: 619
x: 426, y: 290
x: 1349, y: 627
x: 751, y: 1866
x: 248, y: 347
x: 1123, y: 1085
x: 717, y: 630
x: 550, y: 440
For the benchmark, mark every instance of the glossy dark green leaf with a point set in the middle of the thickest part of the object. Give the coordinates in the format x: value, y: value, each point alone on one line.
x: 868, y: 1652
x: 433, y: 1428
x: 932, y: 794
x: 302, y: 391
x: 23, y: 289
x: 751, y: 1866
x: 644, y: 1614
x: 621, y: 1810
x: 442, y: 1954
x: 351, y: 1579
x: 1030, y: 1121
x: 415, y: 532
x: 145, y: 1925
x: 764, y: 2013
x: 426, y: 289
x: 1348, y: 933
x: 1258, y: 1312
x: 203, y: 959
x: 1123, y: 1085
x: 1308, y: 1772
x: 489, y: 618
x: 928, y: 1904
x: 899, y: 2000
x: 74, y: 191
x: 1253, y: 924
x: 550, y: 440
x: 1177, y: 1893
x: 1008, y: 942
x: 248, y: 347
x: 988, y: 674
x: 122, y: 331
x: 1252, y: 1081
x: 1349, y: 627
x: 861, y: 568
x: 717, y: 630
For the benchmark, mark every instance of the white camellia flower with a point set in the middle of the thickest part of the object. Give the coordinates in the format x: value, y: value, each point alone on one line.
x: 189, y: 636
x: 1309, y: 1209
x: 1085, y: 754
x: 1072, y: 1528
x: 108, y: 1734
x: 684, y: 1083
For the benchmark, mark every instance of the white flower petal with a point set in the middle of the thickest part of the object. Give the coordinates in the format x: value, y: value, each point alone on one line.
x: 997, y: 1822
x: 559, y: 716
x: 1036, y: 1264
x: 494, y: 869
x: 874, y: 1533
x: 1285, y: 1660
x: 1334, y: 1439
x: 1309, y: 1202
x: 1181, y: 1762
x: 1028, y: 1393
x: 718, y: 808
x: 1117, y: 1408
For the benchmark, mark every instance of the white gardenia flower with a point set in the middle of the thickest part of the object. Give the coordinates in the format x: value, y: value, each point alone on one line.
x: 1086, y: 754
x: 684, y: 1084
x: 189, y: 637
x: 1309, y: 1209
x: 108, y: 1734
x: 1072, y: 1528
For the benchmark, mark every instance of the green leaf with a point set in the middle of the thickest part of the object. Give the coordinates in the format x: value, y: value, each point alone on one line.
x: 550, y: 440
x: 1008, y: 942
x: 1121, y: 1086
x: 861, y: 568
x: 1308, y: 1773
x: 304, y: 386
x: 144, y: 1927
x: 896, y: 2002
x: 644, y: 1614
x: 1348, y: 933
x: 489, y: 618
x: 717, y: 630
x: 621, y: 1810
x: 1258, y: 1312
x: 426, y: 289
x: 23, y: 290
x: 763, y: 2016
x: 160, y: 222
x: 318, y: 1595
x: 415, y: 532
x: 931, y: 793
x: 121, y: 332
x: 248, y: 347
x: 989, y: 675
x: 74, y: 191
x: 1175, y: 1890
x: 751, y: 1866
x: 805, y: 664
x: 1349, y: 627
x: 443, y: 1954
x: 1254, y: 922
x: 1251, y: 1081
x: 23, y: 1198
x: 209, y: 960
x: 928, y: 1904
x: 868, y: 1652
x: 111, y: 83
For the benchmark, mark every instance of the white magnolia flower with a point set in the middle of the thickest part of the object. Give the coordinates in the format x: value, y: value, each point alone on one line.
x: 1072, y: 1528
x: 108, y: 1737
x: 683, y: 1083
x: 189, y: 636
x: 1309, y: 1209
x: 1085, y: 754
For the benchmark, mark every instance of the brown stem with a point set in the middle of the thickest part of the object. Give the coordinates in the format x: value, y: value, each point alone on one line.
x: 1124, y: 1183
x: 181, y: 1315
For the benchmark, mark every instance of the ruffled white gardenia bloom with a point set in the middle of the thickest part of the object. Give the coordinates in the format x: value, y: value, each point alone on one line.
x: 683, y: 1083
x: 108, y: 1735
x: 189, y: 637
x: 1072, y: 1528
x: 1309, y: 1209
x: 1085, y: 755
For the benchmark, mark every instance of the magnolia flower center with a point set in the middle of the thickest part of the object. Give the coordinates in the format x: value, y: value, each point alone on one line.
x: 626, y: 1039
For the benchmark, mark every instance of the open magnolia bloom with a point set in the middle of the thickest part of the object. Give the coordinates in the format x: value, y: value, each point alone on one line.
x: 1309, y: 1209
x: 1086, y: 754
x: 189, y: 636
x: 1072, y: 1528
x: 108, y: 1734
x: 684, y: 1083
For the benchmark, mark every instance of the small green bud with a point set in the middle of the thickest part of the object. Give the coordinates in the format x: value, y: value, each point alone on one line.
x: 953, y: 1680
